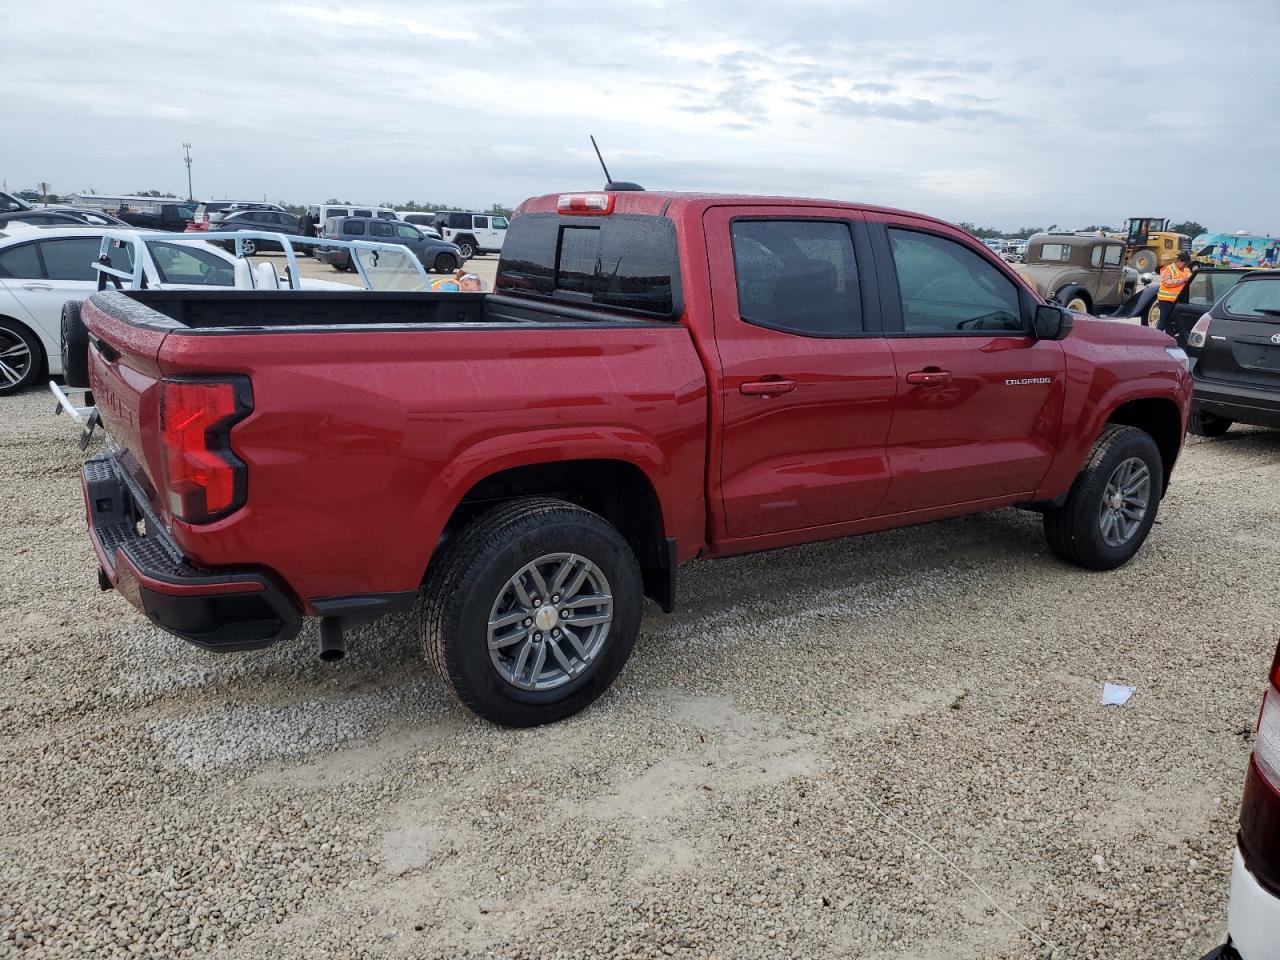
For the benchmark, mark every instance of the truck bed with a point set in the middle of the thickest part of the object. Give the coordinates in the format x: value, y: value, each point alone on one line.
x: 245, y: 310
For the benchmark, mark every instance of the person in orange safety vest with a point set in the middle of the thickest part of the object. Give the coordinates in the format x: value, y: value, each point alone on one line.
x: 1173, y: 279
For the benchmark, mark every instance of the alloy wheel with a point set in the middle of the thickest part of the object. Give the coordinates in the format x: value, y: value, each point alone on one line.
x: 550, y: 622
x: 15, y: 359
x: 1124, y: 502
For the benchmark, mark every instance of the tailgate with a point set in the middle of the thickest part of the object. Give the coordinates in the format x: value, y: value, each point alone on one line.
x: 124, y: 342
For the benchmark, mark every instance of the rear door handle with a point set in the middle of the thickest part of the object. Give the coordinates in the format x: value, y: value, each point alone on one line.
x: 37, y: 286
x: 929, y: 378
x: 766, y: 388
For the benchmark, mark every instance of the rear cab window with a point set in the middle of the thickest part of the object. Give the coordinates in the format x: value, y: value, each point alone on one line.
x: 624, y: 262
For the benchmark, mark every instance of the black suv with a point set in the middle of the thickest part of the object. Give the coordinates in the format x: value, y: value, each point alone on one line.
x: 1235, y: 358
x: 438, y: 255
x: 273, y: 221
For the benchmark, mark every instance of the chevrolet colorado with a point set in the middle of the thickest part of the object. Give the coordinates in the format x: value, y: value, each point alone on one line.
x: 656, y: 377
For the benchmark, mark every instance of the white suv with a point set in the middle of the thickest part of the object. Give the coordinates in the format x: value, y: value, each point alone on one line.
x: 474, y: 233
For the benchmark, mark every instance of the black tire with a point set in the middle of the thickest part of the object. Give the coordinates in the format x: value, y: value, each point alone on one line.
x: 473, y: 575
x: 21, y: 357
x: 1144, y: 261
x: 1074, y: 530
x: 445, y: 263
x: 1207, y: 424
x: 75, y: 346
x: 467, y: 248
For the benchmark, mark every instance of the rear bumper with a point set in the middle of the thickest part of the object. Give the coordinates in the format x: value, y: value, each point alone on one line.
x: 1237, y: 402
x: 333, y: 257
x: 1253, y: 916
x: 224, y: 609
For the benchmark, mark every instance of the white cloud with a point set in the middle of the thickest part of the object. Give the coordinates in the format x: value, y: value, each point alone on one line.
x: 983, y: 113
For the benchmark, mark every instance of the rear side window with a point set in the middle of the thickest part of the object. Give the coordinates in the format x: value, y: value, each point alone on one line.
x: 353, y: 228
x: 71, y: 259
x: 1055, y: 252
x: 380, y: 228
x: 798, y: 276
x: 946, y: 288
x: 21, y: 263
x: 459, y: 221
x: 362, y: 213
x: 624, y: 262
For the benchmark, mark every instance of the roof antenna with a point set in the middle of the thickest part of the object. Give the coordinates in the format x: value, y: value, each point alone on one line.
x: 610, y: 183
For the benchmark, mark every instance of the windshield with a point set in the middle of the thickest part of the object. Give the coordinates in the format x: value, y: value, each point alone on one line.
x: 392, y: 268
x: 188, y: 264
x: 1258, y: 299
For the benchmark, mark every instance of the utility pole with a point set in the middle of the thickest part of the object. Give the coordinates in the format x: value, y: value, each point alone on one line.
x: 190, y: 193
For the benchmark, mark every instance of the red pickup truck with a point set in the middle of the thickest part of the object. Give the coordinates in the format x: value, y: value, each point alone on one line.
x: 656, y: 377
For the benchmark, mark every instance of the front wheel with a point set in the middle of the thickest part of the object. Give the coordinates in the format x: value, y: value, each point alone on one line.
x: 1144, y: 261
x: 250, y: 247
x: 1112, y: 503
x: 532, y: 611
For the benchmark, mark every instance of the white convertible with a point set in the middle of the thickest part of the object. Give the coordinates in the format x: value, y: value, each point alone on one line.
x: 42, y: 268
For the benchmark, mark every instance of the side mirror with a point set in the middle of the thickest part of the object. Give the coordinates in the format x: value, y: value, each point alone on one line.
x: 1050, y: 322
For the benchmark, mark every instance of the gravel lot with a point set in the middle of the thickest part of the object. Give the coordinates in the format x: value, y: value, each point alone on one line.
x: 799, y: 764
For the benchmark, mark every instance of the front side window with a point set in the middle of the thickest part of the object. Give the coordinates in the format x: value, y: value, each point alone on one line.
x: 187, y: 264
x: 407, y: 232
x: 799, y: 276
x: 1111, y: 255
x: 21, y: 263
x: 1055, y: 252
x: 71, y: 259
x: 946, y: 288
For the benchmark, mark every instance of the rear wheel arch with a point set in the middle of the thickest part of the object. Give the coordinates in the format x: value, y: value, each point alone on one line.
x: 617, y: 490
x: 1162, y: 420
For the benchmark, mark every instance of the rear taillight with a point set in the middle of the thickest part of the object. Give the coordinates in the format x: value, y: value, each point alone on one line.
x: 585, y: 203
x: 1200, y: 332
x: 1267, y: 748
x: 204, y: 480
x: 1260, y: 812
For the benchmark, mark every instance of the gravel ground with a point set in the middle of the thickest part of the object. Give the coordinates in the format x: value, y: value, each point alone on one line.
x: 826, y: 753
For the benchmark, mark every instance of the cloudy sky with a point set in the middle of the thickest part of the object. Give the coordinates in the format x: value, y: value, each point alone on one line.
x: 997, y: 113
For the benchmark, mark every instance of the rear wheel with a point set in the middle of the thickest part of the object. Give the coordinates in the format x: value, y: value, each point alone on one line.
x: 20, y: 356
x: 250, y: 247
x: 1207, y: 424
x: 532, y: 611
x: 445, y: 263
x: 1078, y: 303
x: 75, y: 346
x: 1112, y: 503
x: 467, y: 249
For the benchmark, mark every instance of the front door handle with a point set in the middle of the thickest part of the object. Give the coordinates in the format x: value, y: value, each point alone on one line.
x: 767, y: 388
x: 933, y: 377
x: 37, y: 286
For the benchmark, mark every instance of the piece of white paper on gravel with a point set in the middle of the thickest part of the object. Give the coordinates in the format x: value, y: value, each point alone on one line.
x: 1116, y: 694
